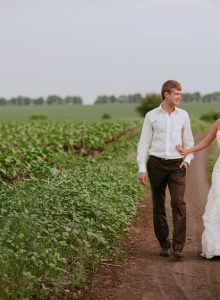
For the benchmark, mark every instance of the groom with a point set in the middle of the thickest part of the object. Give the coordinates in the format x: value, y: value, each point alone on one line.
x: 163, y: 128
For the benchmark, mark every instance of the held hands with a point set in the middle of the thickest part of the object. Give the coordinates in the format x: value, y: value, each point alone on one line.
x: 181, y: 150
x: 142, y: 176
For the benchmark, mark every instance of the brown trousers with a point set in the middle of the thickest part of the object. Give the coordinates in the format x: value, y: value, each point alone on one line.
x: 163, y: 173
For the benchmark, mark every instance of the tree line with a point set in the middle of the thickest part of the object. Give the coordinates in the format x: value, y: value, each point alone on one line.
x: 196, y: 97
x: 50, y: 100
x: 137, y: 98
x: 103, y: 99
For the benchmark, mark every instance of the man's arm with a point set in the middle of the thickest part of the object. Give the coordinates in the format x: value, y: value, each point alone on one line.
x: 188, y: 140
x: 143, y: 148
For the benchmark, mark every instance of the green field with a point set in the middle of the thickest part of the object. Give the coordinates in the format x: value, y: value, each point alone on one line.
x: 68, y: 193
x: 90, y: 113
x: 84, y: 113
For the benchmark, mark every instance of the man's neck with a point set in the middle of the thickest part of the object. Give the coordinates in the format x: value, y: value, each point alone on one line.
x: 167, y: 107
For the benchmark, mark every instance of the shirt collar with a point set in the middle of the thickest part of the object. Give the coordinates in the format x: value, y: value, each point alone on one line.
x: 176, y: 109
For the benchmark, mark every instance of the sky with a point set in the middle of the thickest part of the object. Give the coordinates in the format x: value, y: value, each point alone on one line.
x: 104, y: 47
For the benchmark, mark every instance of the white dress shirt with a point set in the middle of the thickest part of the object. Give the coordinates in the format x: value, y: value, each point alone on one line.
x: 161, y: 132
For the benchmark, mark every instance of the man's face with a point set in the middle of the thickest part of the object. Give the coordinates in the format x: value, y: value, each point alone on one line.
x: 174, y: 97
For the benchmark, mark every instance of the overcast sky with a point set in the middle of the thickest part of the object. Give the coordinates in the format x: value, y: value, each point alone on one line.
x: 95, y: 47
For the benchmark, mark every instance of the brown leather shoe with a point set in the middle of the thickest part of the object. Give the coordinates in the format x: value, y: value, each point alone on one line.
x: 178, y: 253
x: 165, y: 252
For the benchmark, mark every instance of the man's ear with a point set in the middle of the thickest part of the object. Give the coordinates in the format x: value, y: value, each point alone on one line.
x: 166, y: 94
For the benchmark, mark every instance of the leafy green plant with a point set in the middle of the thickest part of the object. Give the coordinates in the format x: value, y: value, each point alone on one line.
x: 38, y: 115
x: 148, y: 103
x: 210, y: 116
x: 106, y: 116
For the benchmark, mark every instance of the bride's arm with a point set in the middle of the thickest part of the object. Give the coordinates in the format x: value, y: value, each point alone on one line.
x: 203, y: 144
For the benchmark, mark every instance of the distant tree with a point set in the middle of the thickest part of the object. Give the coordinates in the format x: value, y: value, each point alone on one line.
x: 53, y: 99
x: 130, y: 98
x: 3, y: 101
x: 113, y: 99
x: 73, y: 100
x: 26, y: 101
x: 197, y: 96
x: 190, y: 97
x: 149, y: 102
x: 102, y: 99
x: 38, y: 101
x: 20, y: 100
x: 134, y: 98
x: 121, y: 99
x: 211, y: 97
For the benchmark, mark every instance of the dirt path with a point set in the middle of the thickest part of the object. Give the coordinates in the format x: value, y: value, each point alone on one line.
x: 145, y: 275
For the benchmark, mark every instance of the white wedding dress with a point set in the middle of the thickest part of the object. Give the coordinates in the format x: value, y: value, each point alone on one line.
x: 211, y: 217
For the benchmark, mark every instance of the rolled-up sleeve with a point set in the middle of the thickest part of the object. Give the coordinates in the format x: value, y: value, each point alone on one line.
x: 144, y: 144
x: 188, y: 140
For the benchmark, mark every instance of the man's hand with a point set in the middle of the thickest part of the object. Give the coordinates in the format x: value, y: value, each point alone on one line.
x: 142, y: 176
x: 184, y: 164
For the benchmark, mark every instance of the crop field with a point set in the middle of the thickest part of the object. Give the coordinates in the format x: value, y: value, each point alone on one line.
x: 32, y: 147
x: 69, y: 191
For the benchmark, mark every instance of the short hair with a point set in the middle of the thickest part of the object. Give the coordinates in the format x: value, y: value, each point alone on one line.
x: 169, y: 85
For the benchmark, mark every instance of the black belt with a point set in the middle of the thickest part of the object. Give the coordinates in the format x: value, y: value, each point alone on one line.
x: 167, y: 159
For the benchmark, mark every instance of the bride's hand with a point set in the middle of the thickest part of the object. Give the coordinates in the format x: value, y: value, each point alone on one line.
x: 181, y: 150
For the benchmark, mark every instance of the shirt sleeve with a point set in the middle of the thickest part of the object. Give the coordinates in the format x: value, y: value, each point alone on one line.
x: 188, y: 140
x: 144, y: 144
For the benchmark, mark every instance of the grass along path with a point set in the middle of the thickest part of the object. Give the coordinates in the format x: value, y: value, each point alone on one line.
x: 53, y: 228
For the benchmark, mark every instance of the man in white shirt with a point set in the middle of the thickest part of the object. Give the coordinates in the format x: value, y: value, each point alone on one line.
x: 164, y: 127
